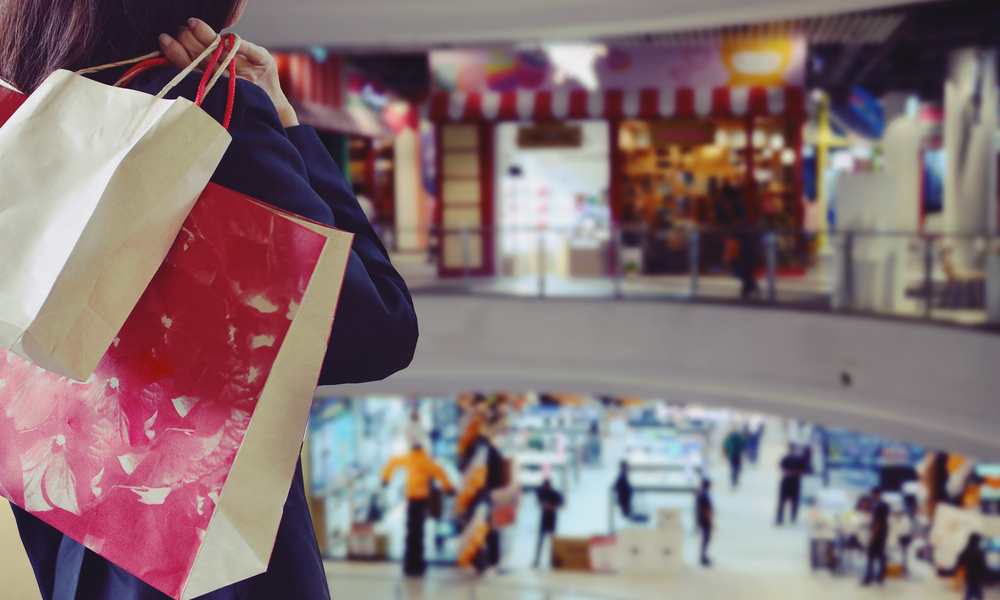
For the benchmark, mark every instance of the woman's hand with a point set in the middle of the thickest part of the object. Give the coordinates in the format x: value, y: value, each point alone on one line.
x: 253, y: 63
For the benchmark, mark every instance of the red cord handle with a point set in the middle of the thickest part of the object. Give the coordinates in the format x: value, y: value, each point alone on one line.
x: 227, y: 43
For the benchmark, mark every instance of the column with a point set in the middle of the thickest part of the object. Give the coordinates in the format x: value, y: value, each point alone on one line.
x: 970, y: 192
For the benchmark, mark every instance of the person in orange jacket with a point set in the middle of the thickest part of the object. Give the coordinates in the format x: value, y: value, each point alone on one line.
x: 421, y: 471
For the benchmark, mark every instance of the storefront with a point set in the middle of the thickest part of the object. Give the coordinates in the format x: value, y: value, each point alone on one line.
x: 706, y: 136
x: 347, y: 110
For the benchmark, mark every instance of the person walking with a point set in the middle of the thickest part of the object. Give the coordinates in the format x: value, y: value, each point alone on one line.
x: 421, y: 472
x: 793, y: 467
x: 745, y: 263
x: 550, y: 501
x: 706, y: 519
x: 973, y: 560
x: 732, y: 448
x: 879, y: 537
x: 271, y: 158
x: 623, y: 490
x: 754, y: 432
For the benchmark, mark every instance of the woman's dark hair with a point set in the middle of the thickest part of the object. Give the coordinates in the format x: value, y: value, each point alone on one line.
x: 40, y: 36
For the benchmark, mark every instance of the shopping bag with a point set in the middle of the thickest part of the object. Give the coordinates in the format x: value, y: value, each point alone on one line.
x: 97, y: 181
x: 174, y: 459
x: 504, y: 515
x: 10, y: 100
x: 435, y: 502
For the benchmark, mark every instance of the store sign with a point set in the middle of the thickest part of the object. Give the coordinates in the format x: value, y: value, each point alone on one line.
x: 767, y: 62
x: 683, y: 133
x: 550, y: 135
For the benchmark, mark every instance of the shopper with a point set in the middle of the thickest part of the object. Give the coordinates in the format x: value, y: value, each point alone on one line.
x: 754, y: 432
x: 414, y: 431
x: 623, y: 489
x: 974, y: 561
x: 793, y: 467
x: 593, y: 446
x: 706, y: 519
x: 732, y: 448
x: 745, y: 265
x: 879, y: 537
x: 550, y: 501
x: 421, y: 472
x: 271, y: 158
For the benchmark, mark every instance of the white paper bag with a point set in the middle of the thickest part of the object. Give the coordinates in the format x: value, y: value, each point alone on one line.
x: 96, y: 182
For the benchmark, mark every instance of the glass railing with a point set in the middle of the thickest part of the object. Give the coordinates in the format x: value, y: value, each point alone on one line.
x: 948, y: 278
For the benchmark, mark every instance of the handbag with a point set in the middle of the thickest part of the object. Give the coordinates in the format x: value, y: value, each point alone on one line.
x: 92, y: 202
x: 174, y: 460
x: 504, y: 515
x: 435, y: 503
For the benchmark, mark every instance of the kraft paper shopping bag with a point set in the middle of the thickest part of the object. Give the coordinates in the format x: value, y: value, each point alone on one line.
x: 174, y: 459
x: 96, y: 183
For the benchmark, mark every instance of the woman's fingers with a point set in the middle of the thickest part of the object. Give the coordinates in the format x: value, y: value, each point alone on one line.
x: 254, y: 54
x: 174, y: 51
x: 201, y: 31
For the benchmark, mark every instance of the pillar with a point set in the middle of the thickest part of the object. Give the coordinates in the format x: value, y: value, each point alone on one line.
x: 970, y: 189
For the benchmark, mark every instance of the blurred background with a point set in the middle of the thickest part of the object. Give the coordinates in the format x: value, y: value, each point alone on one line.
x: 654, y: 244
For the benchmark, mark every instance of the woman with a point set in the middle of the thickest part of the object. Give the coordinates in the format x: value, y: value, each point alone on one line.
x: 273, y: 159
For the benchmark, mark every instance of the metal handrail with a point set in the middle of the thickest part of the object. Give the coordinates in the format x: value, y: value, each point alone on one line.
x: 925, y: 284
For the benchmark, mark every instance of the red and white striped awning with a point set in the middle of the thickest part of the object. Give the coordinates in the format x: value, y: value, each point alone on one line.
x: 617, y: 104
x: 304, y: 78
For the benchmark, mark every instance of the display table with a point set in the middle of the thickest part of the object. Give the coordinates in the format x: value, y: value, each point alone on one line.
x: 674, y: 483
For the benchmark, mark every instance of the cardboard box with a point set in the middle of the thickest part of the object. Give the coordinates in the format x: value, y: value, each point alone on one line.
x: 604, y: 554
x: 361, y: 542
x: 571, y: 554
x: 364, y: 543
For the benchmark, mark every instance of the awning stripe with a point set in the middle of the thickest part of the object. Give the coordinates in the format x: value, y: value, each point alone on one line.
x: 617, y: 104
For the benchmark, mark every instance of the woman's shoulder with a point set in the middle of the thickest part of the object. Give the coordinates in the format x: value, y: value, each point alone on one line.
x: 251, y: 103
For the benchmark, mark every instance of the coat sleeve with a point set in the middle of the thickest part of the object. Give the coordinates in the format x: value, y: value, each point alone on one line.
x: 393, y: 464
x: 375, y: 331
x: 438, y: 473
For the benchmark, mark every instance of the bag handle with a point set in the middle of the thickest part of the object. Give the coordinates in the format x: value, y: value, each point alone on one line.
x: 152, y: 56
x: 229, y: 42
x: 215, y: 48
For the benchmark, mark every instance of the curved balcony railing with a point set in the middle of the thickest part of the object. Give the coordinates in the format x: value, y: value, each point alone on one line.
x: 449, y: 587
x: 931, y: 277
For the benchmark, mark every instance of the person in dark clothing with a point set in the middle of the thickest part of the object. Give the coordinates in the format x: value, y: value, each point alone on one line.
x: 550, y: 501
x: 623, y: 489
x: 706, y: 519
x: 271, y: 158
x: 879, y: 537
x: 422, y: 471
x: 733, y: 447
x: 793, y: 467
x: 973, y: 560
x: 754, y: 432
x: 745, y: 265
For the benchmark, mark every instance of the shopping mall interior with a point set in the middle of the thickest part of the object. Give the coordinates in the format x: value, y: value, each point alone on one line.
x: 708, y: 298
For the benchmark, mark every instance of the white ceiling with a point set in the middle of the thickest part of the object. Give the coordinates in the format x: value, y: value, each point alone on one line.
x: 285, y: 24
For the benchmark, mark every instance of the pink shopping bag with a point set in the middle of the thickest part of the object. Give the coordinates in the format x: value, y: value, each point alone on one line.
x: 174, y: 459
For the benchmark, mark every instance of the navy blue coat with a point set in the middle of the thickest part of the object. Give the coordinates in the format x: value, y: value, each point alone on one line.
x: 374, y: 335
